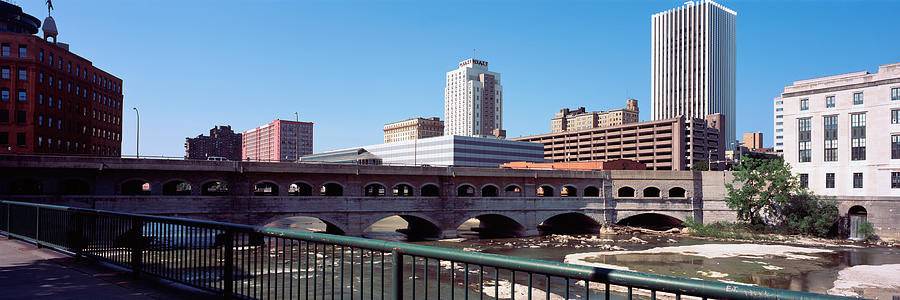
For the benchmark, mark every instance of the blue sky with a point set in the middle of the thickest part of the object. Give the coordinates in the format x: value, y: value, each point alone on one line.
x: 351, y: 66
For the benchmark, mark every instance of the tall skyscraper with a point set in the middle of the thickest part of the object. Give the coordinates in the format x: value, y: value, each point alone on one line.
x: 280, y: 140
x: 221, y: 142
x: 692, y: 63
x: 473, y: 101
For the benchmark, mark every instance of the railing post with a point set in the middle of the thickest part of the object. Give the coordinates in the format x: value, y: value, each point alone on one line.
x: 37, y: 227
x: 396, y: 274
x: 228, y: 276
x: 137, y: 247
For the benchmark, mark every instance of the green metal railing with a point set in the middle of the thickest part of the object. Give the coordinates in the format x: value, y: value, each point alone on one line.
x: 239, y: 261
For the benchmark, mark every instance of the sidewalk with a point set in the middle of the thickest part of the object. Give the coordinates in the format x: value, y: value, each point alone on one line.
x: 28, y: 272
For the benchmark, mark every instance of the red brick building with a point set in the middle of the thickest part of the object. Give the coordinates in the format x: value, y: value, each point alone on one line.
x: 280, y: 140
x: 614, y: 164
x: 53, y: 101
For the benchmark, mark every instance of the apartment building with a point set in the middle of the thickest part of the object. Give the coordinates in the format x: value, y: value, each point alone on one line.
x: 580, y: 119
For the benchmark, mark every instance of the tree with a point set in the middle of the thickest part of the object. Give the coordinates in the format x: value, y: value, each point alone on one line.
x: 808, y: 214
x: 701, y: 165
x: 766, y: 186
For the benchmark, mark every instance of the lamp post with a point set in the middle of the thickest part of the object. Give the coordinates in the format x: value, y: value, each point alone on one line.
x: 138, y: 143
x: 297, y: 138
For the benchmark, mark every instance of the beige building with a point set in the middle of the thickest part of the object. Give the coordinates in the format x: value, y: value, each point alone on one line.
x: 580, y: 119
x: 413, y: 129
x: 670, y: 144
x: 753, y: 140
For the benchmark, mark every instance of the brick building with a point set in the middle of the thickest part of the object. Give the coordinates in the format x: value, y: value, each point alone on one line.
x: 413, y: 129
x: 614, y: 164
x: 580, y: 119
x: 280, y: 140
x: 53, y: 101
x: 221, y: 142
x: 670, y: 144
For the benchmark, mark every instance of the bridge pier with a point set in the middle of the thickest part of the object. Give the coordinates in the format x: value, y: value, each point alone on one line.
x: 449, y: 234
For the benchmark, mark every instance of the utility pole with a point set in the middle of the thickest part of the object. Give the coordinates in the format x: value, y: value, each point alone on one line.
x: 297, y: 138
x: 138, y: 143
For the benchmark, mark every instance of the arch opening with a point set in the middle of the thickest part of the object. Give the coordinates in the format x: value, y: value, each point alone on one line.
x: 545, y: 191
x: 653, y: 221
x: 858, y: 215
x: 405, y: 228
x: 299, y: 189
x: 306, y: 223
x: 651, y: 192
x: 625, y: 192
x: 677, y: 192
x: 513, y: 191
x: 402, y: 190
x: 430, y: 190
x: 591, y: 191
x: 214, y: 188
x: 491, y: 226
x: 265, y: 189
x: 489, y: 191
x: 331, y: 189
x: 569, y: 223
x: 26, y: 186
x: 176, y: 187
x: 74, y: 187
x: 465, y: 190
x: 568, y: 191
x: 136, y: 187
x: 373, y: 190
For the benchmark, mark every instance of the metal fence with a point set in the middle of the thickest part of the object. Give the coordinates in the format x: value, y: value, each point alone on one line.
x: 239, y: 261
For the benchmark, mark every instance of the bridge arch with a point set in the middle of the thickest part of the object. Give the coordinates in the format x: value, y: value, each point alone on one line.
x: 331, y: 225
x: 300, y: 188
x: 136, y: 186
x: 512, y: 190
x: 26, y: 186
x: 214, y: 187
x: 265, y: 188
x: 677, y: 192
x: 625, y: 192
x: 568, y: 191
x: 465, y: 190
x: 568, y: 223
x: 74, y: 186
x: 374, y: 189
x: 591, y: 191
x: 331, y: 188
x: 489, y: 225
x: 651, y: 192
x: 177, y: 186
x: 430, y: 190
x: 545, y: 190
x: 490, y: 190
x: 418, y: 227
x: 651, y: 220
x: 403, y: 189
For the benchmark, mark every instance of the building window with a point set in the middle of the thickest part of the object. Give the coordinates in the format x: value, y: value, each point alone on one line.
x: 779, y: 109
x: 4, y: 94
x: 829, y: 101
x: 41, y: 77
x: 20, y: 139
x: 4, y: 138
x: 40, y: 120
x: 829, y: 180
x: 41, y: 55
x: 804, y: 104
x: 857, y: 180
x: 23, y: 74
x: 4, y: 49
x: 23, y: 51
x: 858, y: 136
x: 4, y: 72
x: 40, y: 98
x: 51, y: 59
x: 803, y: 131
x: 895, y: 180
x: 857, y: 98
x: 779, y: 123
x: 804, y: 181
x: 21, y: 117
x: 779, y: 102
x: 895, y: 146
x: 831, y: 136
x: 22, y: 96
x: 895, y: 116
x: 895, y: 93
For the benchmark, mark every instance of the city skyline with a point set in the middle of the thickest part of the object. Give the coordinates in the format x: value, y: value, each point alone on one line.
x: 602, y: 49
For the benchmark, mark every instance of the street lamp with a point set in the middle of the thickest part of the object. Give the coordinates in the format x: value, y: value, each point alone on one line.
x: 138, y: 143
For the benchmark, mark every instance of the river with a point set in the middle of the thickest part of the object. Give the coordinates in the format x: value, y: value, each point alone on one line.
x: 871, y: 272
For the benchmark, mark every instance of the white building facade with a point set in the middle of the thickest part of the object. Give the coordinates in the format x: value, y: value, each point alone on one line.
x: 473, y: 101
x: 692, y: 61
x: 459, y: 151
x: 841, y: 134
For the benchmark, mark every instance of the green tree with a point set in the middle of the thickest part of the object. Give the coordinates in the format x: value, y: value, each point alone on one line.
x: 700, y: 166
x: 810, y: 215
x: 765, y: 186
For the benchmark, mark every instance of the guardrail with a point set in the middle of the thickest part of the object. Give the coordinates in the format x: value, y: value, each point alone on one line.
x: 239, y: 261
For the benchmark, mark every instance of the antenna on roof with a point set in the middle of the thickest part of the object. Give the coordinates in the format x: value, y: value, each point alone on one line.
x: 473, y: 51
x: 49, y: 6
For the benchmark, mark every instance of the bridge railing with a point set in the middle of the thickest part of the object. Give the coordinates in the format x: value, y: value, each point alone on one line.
x: 239, y: 261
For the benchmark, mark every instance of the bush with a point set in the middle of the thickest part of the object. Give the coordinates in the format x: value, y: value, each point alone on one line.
x: 725, y: 230
x: 867, y: 231
x: 809, y: 215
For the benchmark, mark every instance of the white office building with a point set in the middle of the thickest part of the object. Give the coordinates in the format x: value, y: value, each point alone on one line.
x: 841, y: 133
x: 459, y: 151
x: 473, y: 101
x: 692, y: 61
